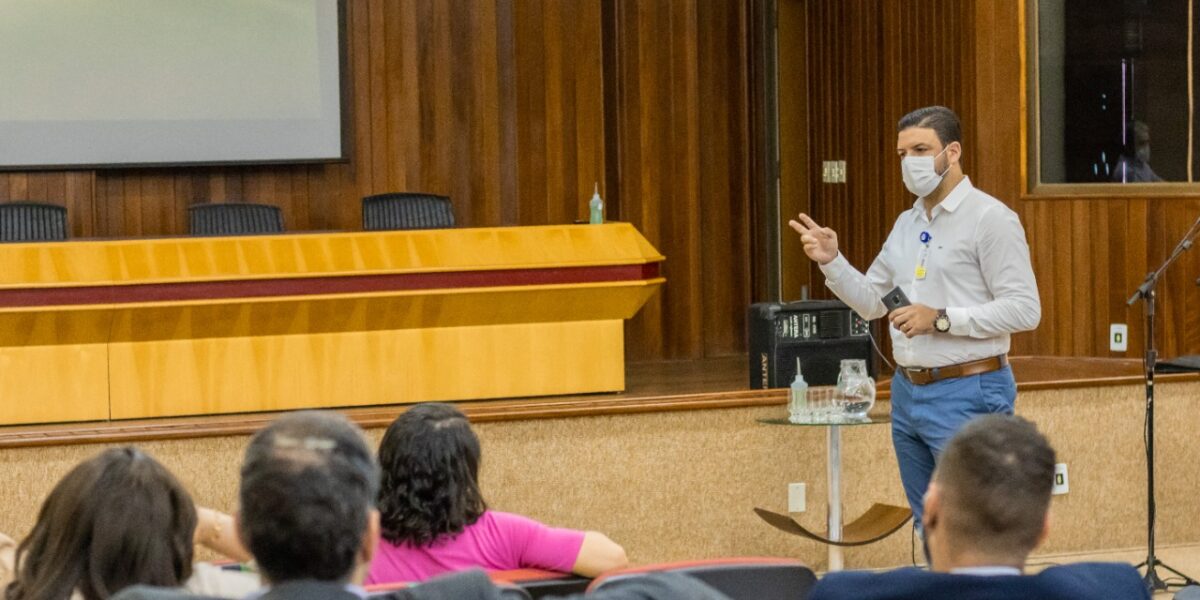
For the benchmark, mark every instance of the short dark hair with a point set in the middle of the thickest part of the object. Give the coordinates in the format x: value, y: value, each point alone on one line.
x: 308, y: 485
x: 940, y: 119
x: 995, y: 476
x: 115, y: 520
x: 430, y: 460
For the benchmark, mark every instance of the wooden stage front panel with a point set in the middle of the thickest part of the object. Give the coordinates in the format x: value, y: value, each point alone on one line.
x: 719, y: 383
x: 193, y: 326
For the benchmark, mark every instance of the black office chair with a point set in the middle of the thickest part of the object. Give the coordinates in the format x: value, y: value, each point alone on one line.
x: 32, y: 222
x: 234, y: 218
x: 404, y: 210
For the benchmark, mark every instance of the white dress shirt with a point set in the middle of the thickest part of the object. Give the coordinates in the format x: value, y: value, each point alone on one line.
x: 976, y: 267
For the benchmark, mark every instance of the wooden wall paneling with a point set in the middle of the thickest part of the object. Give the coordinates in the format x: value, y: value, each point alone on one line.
x: 508, y: 108
x: 1178, y: 322
x: 662, y: 198
x: 682, y: 116
x: 1061, y: 308
x: 1136, y: 261
x: 794, y: 172
x: 724, y: 139
x: 530, y: 100
x: 1086, y: 287
x: 72, y: 189
x: 558, y: 114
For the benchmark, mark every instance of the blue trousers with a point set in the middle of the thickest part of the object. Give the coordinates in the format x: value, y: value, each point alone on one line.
x: 925, y: 417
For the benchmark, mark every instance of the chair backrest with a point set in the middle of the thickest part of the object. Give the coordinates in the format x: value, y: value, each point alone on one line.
x: 32, y: 222
x: 406, y: 211
x: 234, y: 218
x: 395, y: 591
x: 540, y: 583
x: 739, y: 578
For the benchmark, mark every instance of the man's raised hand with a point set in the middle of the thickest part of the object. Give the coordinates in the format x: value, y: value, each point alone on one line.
x: 820, y: 243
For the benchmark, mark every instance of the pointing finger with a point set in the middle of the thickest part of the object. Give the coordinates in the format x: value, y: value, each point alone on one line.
x: 798, y: 227
x: 811, y: 224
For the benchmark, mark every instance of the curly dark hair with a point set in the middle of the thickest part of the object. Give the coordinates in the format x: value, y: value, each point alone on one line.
x: 430, y: 485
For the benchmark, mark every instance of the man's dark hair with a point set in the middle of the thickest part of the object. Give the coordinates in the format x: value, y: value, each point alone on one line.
x: 308, y: 486
x: 995, y: 476
x: 940, y: 119
x: 430, y: 460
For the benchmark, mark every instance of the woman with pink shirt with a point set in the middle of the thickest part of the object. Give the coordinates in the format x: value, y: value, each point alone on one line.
x: 434, y: 519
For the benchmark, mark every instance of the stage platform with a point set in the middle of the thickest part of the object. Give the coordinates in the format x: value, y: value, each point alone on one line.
x: 651, y: 387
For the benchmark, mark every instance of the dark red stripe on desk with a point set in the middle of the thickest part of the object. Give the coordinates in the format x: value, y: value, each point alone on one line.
x: 317, y: 286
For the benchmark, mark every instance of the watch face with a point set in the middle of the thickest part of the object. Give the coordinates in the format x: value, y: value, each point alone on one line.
x: 942, y: 323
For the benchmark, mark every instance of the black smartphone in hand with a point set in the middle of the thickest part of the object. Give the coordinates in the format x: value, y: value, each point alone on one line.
x: 895, y: 299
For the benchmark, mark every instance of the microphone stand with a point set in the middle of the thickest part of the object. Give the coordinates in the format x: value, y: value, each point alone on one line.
x: 1147, y: 294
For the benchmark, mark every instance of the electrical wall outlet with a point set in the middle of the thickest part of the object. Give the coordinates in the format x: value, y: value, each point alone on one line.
x: 1061, y: 483
x: 796, y: 502
x: 833, y: 171
x: 1118, y: 337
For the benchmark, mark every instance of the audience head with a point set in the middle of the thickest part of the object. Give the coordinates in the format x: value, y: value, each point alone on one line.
x: 430, y: 486
x: 307, y: 497
x: 115, y: 520
x: 989, y: 499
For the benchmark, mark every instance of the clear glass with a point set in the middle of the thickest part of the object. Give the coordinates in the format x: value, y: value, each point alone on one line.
x: 855, y: 389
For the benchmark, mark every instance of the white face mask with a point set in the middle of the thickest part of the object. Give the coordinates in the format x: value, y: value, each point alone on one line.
x: 920, y: 175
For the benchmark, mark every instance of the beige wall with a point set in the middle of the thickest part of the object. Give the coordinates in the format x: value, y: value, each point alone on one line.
x: 682, y: 484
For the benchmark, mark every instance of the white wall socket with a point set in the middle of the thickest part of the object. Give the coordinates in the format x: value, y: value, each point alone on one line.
x: 796, y: 502
x: 1061, y: 483
x: 1118, y: 337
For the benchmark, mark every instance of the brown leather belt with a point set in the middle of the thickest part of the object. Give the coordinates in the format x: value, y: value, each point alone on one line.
x: 975, y: 367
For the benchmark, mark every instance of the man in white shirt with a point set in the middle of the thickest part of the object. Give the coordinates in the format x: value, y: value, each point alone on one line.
x: 961, y: 258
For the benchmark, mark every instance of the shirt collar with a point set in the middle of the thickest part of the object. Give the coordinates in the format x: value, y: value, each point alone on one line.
x: 952, y: 200
x: 986, y: 571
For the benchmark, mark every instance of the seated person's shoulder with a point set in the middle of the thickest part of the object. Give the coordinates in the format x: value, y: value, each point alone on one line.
x: 1067, y: 582
x: 656, y: 586
x: 1108, y: 580
x: 900, y: 583
x: 466, y: 585
x: 148, y: 592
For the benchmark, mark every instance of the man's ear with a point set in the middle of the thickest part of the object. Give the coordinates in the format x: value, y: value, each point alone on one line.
x: 933, y: 506
x: 370, y: 541
x: 954, y: 152
x: 1045, y: 530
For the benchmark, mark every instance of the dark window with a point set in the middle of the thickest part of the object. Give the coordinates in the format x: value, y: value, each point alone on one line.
x: 1113, y: 91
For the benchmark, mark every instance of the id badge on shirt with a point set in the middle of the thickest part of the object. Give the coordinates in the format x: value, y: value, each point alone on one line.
x: 922, y: 257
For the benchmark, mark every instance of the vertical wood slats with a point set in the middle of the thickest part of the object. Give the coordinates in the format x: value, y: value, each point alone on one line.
x: 506, y: 106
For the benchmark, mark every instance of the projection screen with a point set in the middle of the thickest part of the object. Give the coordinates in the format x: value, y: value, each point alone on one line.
x: 100, y: 83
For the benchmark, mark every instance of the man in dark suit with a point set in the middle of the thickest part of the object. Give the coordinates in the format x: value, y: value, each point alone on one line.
x: 307, y: 514
x: 986, y: 509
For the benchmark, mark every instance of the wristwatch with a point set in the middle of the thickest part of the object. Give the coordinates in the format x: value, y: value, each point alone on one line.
x: 942, y: 322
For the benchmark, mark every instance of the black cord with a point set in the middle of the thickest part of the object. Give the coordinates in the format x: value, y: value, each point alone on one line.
x: 875, y: 345
x: 912, y: 543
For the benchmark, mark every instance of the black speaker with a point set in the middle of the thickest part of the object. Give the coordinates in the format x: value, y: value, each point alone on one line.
x: 821, y: 333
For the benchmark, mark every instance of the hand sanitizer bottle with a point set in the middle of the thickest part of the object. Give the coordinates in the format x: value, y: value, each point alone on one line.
x: 596, y: 208
x: 798, y: 398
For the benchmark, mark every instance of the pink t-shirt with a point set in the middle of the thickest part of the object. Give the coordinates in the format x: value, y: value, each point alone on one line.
x: 497, y: 541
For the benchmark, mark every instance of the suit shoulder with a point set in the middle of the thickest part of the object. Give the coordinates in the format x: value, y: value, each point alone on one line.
x: 1099, y: 579
x: 865, y: 584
